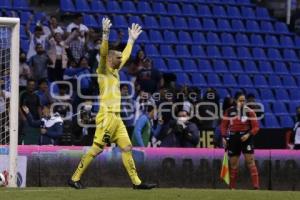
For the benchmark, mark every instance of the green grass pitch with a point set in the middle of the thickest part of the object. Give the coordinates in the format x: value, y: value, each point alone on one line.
x: 48, y: 193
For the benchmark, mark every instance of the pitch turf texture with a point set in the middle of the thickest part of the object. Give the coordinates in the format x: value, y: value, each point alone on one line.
x: 130, y: 194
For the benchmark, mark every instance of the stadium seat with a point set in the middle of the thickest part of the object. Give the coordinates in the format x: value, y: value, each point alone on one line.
x: 25, y: 45
x: 262, y: 13
x: 286, y: 41
x: 290, y: 55
x: 174, y: 65
x: 98, y: 7
x: 160, y: 64
x: 234, y: 66
x: 203, y: 11
x: 254, y: 92
x: 151, y: 23
x: 265, y: 67
x: 266, y: 95
x: 204, y: 66
x: 219, y: 11
x: 266, y: 27
x: 183, y: 79
x: 173, y: 9
x: 170, y: 37
x: 189, y: 10
x: 198, y: 38
x: 113, y: 36
x: 143, y: 7
x: 247, y: 12
x: 185, y: 37
x: 233, y: 12
x: 279, y: 108
x: 128, y: 7
x: 242, y: 39
x: 297, y: 40
x: 155, y: 36
x: 82, y: 6
x: 229, y: 80
x: 180, y: 23
x: 209, y: 25
x: 123, y: 76
x: 212, y: 38
x: 223, y: 93
x: 158, y: 8
x: 244, y: 81
x: 257, y: 40
x: 67, y: 6
x: 151, y: 50
x: 135, y: 19
x: 271, y: 41
x: 274, y: 81
x: 227, y: 39
x: 270, y: 121
x: 280, y: 68
x: 120, y: 21
x: 281, y: 27
x: 267, y: 108
x: 25, y: 16
x: 295, y: 68
x: 5, y: 4
x: 198, y: 52
x: 259, y: 54
x: 213, y: 80
x: 243, y: 53
x: 295, y: 94
x: 274, y: 54
x: 289, y: 82
x: 228, y: 52
x: 292, y: 105
x: 252, y: 26
x: 166, y: 23
x: 194, y: 24
x: 113, y: 6
x: 198, y: 80
x: 90, y: 21
x: 298, y: 80
x: 223, y: 25
x: 282, y: 95
x: 237, y: 25
x: 189, y: 65
x: 250, y: 67
x: 243, y: 2
x: 182, y: 51
x: 286, y: 122
x: 20, y: 4
x: 166, y: 51
x: 219, y: 66
x: 260, y: 81
x: 213, y: 52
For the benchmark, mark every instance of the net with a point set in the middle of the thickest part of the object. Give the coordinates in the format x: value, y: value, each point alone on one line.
x: 5, y: 90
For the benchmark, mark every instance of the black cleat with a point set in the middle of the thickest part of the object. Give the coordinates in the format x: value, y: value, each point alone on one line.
x: 75, y: 184
x: 144, y: 186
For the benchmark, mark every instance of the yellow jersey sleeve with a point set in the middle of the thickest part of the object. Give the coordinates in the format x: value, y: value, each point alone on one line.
x: 126, y: 54
x: 103, y: 55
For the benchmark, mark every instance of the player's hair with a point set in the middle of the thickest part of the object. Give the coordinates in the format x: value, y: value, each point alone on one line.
x: 238, y: 95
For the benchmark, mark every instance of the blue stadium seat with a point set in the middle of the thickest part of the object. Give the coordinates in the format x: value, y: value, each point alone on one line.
x: 6, y: 4
x: 247, y: 12
x: 166, y: 51
x: 173, y: 9
x: 113, y: 6
x: 198, y: 38
x: 286, y: 122
x: 160, y: 64
x: 182, y: 51
x: 204, y: 66
x: 265, y: 67
x: 219, y: 66
x: 227, y: 39
x: 194, y: 23
x: 170, y: 37
x: 228, y: 52
x: 243, y: 2
x: 82, y: 6
x: 295, y: 68
x: 274, y: 54
x: 219, y: 11
x: 229, y: 80
x: 235, y: 66
x: 23, y: 34
x: 259, y: 54
x: 159, y: 8
x: 233, y: 12
x: 292, y: 105
x: 213, y: 80
x: 123, y: 76
x: 189, y: 65
x: 166, y: 23
x: 297, y: 40
x: 151, y: 50
x: 143, y: 7
x: 20, y: 4
x: 198, y: 80
x: 244, y: 81
x: 279, y: 108
x: 204, y: 11
x: 266, y: 27
x: 182, y: 79
x: 280, y: 68
x: 242, y: 39
x: 223, y: 25
x: 135, y: 19
x: 295, y: 95
x: 67, y: 6
x: 267, y: 108
x: 254, y: 92
x: 234, y: 90
x: 90, y: 21
x: 289, y: 82
x: 180, y: 23
x: 212, y: 38
x: 213, y: 52
x: 209, y: 25
x: 271, y: 41
x: 266, y: 95
x: 290, y: 54
x: 250, y: 67
x: 270, y: 121
x: 155, y: 36
x: 243, y: 53
x: 274, y: 81
x: 25, y: 45
x: 189, y: 10
x: 252, y: 26
x: 286, y: 41
x: 113, y: 36
x: 185, y: 37
x: 136, y: 48
x: 260, y: 81
x: 151, y: 23
x: 120, y: 21
x: 198, y: 52
x: 298, y: 80
x: 98, y: 7
x: 257, y: 40
x: 25, y: 16
x: 174, y: 65
x: 237, y: 25
x: 281, y: 27
x: 128, y: 7
x: 223, y: 93
x: 262, y: 13
x: 282, y: 95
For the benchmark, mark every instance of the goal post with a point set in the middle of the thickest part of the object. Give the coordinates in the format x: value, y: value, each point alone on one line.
x: 12, y: 27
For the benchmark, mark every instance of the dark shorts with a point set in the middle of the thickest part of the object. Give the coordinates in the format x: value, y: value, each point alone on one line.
x: 236, y: 146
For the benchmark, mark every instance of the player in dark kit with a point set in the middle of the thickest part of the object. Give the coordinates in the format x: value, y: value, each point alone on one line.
x: 239, y: 125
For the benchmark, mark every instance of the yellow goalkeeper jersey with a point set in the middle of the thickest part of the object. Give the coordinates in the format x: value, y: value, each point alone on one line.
x: 109, y: 81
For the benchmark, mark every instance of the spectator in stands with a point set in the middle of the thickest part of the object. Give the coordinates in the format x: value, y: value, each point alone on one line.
x: 58, y: 55
x: 39, y: 63
x: 297, y: 130
x: 239, y: 125
x: 76, y: 45
x: 51, y: 126
x: 43, y: 93
x: 83, y: 29
x: 53, y: 27
x: 64, y: 101
x: 227, y: 103
x: 127, y: 109
x: 137, y: 64
x: 251, y: 103
x: 148, y: 77
x: 4, y: 112
x: 25, y: 72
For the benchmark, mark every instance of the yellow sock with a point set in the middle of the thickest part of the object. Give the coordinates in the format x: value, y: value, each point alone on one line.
x: 130, y: 167
x: 85, y: 162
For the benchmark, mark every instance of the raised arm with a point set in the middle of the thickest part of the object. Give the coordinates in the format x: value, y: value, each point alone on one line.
x: 106, y: 24
x: 133, y: 34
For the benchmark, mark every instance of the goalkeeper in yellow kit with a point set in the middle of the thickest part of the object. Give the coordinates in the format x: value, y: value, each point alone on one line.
x: 110, y: 127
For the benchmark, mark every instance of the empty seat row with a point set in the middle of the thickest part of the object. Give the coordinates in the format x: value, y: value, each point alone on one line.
x: 15, y: 4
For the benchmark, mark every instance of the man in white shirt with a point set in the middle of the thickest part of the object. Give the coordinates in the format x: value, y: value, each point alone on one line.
x: 78, y: 24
